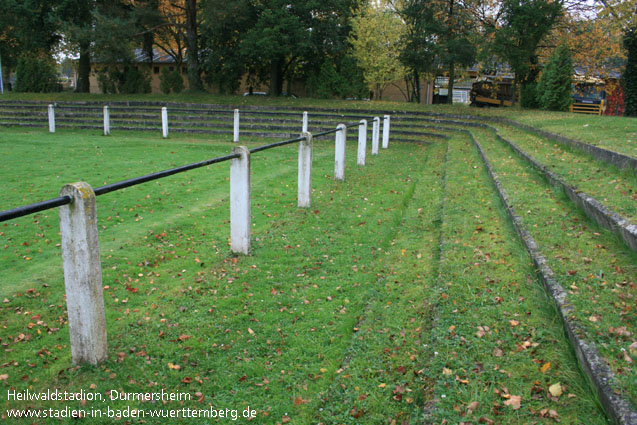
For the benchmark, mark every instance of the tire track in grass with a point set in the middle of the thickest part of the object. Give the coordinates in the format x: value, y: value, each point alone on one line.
x: 381, y: 378
x: 498, y: 345
x: 596, y: 269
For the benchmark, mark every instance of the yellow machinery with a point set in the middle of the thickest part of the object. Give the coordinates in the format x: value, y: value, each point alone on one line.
x: 588, y: 95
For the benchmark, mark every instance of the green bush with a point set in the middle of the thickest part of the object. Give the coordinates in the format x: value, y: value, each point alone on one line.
x: 135, y: 81
x: 171, y: 81
x: 35, y: 75
x: 554, y: 93
x: 129, y: 80
x: 629, y: 79
x: 528, y: 96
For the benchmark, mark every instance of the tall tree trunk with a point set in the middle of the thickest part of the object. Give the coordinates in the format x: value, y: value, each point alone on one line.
x: 417, y: 86
x: 276, y: 77
x: 192, y: 42
x: 84, y: 69
x: 452, y: 65
x: 452, y: 77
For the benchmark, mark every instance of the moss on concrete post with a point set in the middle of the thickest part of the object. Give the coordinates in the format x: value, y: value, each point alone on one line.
x: 83, y: 275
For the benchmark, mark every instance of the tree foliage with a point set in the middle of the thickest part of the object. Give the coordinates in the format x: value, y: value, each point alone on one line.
x: 377, y: 40
x: 36, y: 74
x: 554, y: 89
x: 525, y: 23
x: 630, y: 73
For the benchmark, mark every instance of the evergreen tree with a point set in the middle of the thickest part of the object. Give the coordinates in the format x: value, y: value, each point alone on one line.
x: 554, y: 90
x: 630, y: 73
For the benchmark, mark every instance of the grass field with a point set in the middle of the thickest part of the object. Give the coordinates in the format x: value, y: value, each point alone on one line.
x: 401, y: 296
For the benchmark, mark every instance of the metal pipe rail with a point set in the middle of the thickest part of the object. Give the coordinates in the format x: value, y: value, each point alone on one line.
x: 102, y: 190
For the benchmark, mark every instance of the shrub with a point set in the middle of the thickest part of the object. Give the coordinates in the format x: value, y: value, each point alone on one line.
x: 129, y: 80
x: 629, y: 79
x: 171, y: 81
x: 554, y: 90
x: 528, y: 96
x: 135, y: 81
x: 36, y: 75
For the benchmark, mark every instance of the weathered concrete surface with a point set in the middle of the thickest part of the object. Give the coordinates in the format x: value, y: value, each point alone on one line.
x: 339, y: 152
x: 305, y: 172
x: 592, y: 363
x: 591, y: 207
x: 240, y: 206
x: 107, y: 121
x: 51, y: 119
x: 385, y: 131
x: 83, y: 275
x: 235, y: 128
x: 362, y: 143
x: 164, y: 122
x: 375, y: 135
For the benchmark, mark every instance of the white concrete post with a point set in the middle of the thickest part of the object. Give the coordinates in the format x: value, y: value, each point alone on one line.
x: 362, y: 142
x: 386, y: 132
x: 305, y: 172
x: 164, y: 122
x: 107, y: 121
x: 235, y: 136
x: 304, y: 126
x: 240, y: 214
x: 375, y: 131
x: 83, y: 274
x: 339, y: 157
x: 51, y: 119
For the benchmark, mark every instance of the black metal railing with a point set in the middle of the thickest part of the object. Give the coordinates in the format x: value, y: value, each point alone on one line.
x: 102, y: 190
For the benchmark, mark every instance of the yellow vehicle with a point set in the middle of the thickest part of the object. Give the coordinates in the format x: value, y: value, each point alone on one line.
x: 492, y: 91
x: 589, y: 95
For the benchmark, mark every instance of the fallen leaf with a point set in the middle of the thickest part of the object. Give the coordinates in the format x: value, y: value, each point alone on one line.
x: 4, y: 377
x: 514, y: 322
x: 545, y: 367
x: 556, y: 390
x: 446, y: 371
x: 298, y: 401
x: 173, y: 366
x: 250, y: 331
x: 514, y: 402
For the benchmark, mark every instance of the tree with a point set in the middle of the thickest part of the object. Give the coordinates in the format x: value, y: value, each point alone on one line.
x: 554, y: 89
x: 525, y: 23
x: 223, y: 30
x: 28, y: 28
x: 280, y: 37
x: 630, y: 72
x: 377, y: 40
x: 420, y: 42
x: 77, y: 23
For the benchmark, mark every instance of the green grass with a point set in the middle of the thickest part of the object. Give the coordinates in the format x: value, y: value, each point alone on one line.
x: 617, y: 134
x: 349, y: 312
x: 611, y: 186
x: 495, y: 328
x: 596, y: 269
